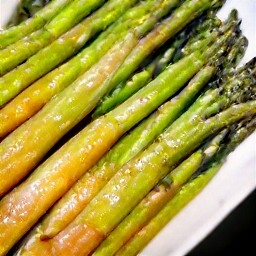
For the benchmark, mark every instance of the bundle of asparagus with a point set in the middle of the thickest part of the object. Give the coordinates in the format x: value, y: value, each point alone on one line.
x: 158, y: 84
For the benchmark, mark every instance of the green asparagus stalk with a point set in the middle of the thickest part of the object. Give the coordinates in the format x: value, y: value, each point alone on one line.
x: 238, y: 51
x: 79, y: 98
x: 75, y: 102
x: 250, y: 65
x: 136, y: 179
x: 204, y: 30
x: 136, y: 244
x: 72, y: 203
x: 124, y: 90
x: 21, y: 50
x: 98, y: 237
x: 187, y: 192
x: 205, y: 38
x: 180, y: 18
x: 205, y: 106
x: 178, y: 144
x: 15, y: 33
x: 214, y: 101
x: 64, y: 46
x: 74, y: 158
x: 233, y: 86
x: 53, y: 30
x: 210, y: 23
x: 238, y: 133
x: 93, y: 79
x: 38, y: 64
x: 176, y: 46
x: 31, y: 100
x: 157, y: 198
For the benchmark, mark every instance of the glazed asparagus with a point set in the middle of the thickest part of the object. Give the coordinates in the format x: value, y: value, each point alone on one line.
x: 79, y: 196
x: 93, y: 141
x: 227, y: 100
x: 188, y: 191
x: 190, y: 10
x: 202, y: 130
x: 73, y: 202
x: 184, y: 196
x: 158, y: 197
x: 31, y: 100
x: 79, y: 100
x: 125, y: 89
x: 21, y: 50
x: 39, y: 19
x: 161, y: 194
x: 137, y: 178
x: 64, y: 47
x: 70, y: 106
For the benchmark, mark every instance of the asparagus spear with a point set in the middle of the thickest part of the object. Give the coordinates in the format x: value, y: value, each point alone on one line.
x: 88, y: 186
x: 136, y: 179
x: 180, y: 173
x: 187, y: 193
x: 238, y: 133
x: 21, y: 50
x: 73, y: 159
x: 125, y: 89
x: 63, y: 47
x: 38, y: 94
x: 203, y: 31
x: 58, y: 117
x: 15, y: 33
x: 237, y: 89
x: 20, y: 78
x: 70, y: 106
x: 101, y: 72
x: 53, y: 30
x: 179, y: 143
x: 229, y: 81
x: 189, y: 11
x: 184, y: 196
x: 157, y: 198
x: 237, y: 51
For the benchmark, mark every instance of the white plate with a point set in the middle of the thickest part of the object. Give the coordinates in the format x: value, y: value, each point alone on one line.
x: 234, y: 182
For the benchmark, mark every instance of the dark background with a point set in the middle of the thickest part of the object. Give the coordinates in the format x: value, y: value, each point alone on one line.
x: 235, y: 234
